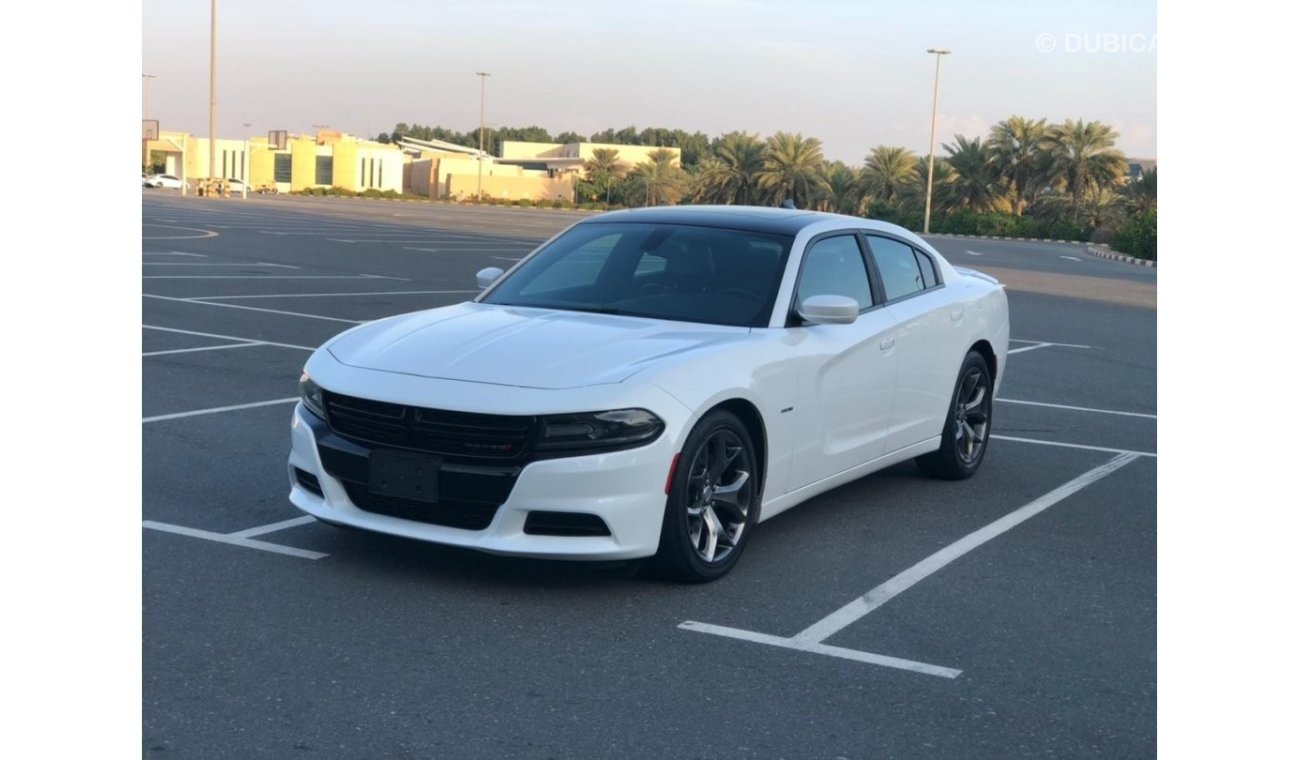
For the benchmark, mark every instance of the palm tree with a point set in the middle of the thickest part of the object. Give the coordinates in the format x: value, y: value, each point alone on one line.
x: 843, y: 189
x: 734, y: 176
x: 1016, y: 147
x: 1084, y: 159
x: 659, y: 180
x: 889, y: 171
x: 792, y: 168
x: 913, y: 196
x: 603, y: 169
x: 1139, y: 195
x: 976, y: 183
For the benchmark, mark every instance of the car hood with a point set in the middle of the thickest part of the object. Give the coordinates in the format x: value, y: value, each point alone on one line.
x: 522, y: 347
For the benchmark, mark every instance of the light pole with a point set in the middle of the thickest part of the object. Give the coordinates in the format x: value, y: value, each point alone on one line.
x: 939, y: 53
x: 482, y: 91
x: 212, y: 98
x: 148, y: 85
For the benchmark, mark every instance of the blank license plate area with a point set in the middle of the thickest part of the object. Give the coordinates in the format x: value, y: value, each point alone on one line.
x: 403, y: 475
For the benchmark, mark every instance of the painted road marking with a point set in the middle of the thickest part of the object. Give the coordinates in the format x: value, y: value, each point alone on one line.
x: 217, y: 410
x: 1072, y: 258
x: 200, y: 348
x: 262, y: 530
x: 228, y: 337
x: 1074, y: 408
x: 257, y: 308
x: 173, y: 253
x: 975, y: 253
x: 1035, y: 347
x: 1054, y: 343
x: 1080, y: 446
x: 272, y: 277
x: 329, y: 295
x: 208, y: 264
x: 234, y: 539
x: 810, y: 639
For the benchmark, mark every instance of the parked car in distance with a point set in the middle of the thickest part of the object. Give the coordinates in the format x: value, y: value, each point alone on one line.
x: 168, y: 181
x: 653, y: 383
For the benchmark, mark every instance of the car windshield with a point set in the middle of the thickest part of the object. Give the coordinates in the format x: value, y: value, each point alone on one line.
x: 663, y: 271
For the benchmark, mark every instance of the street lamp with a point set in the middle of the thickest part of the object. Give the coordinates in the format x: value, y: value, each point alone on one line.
x: 939, y: 53
x: 212, y: 98
x: 148, y: 85
x: 482, y: 90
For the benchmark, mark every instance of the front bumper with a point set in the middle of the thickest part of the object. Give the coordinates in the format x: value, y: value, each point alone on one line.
x: 625, y: 489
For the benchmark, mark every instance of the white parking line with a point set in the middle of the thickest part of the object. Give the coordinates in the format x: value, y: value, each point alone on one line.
x: 272, y: 277
x: 332, y: 295
x: 875, y: 598
x: 1063, y: 345
x: 234, y: 539
x: 228, y: 337
x: 174, y: 253
x: 218, y: 410
x: 810, y: 639
x: 262, y: 530
x: 256, y: 308
x: 1072, y: 258
x: 1074, y: 408
x: 975, y: 253
x: 200, y: 348
x: 1080, y: 446
x: 1044, y: 344
x: 819, y: 648
x: 208, y: 264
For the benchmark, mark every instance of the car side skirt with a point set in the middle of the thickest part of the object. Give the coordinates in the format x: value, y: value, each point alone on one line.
x: 782, y: 503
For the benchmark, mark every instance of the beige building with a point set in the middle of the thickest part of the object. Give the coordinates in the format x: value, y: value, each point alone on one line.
x: 326, y: 159
x: 561, y: 158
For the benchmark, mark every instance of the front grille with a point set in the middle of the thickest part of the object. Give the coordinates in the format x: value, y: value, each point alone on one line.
x: 453, y: 513
x: 460, y: 436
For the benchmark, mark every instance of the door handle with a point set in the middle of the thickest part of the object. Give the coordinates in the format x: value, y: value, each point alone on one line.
x: 886, y: 344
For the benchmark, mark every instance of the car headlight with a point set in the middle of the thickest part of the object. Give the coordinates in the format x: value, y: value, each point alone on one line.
x: 598, y: 431
x: 312, y: 396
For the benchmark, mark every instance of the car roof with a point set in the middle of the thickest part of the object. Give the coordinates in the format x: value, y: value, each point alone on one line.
x: 781, y: 221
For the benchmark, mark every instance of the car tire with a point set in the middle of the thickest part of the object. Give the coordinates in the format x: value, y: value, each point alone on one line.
x: 713, y: 501
x: 968, y: 426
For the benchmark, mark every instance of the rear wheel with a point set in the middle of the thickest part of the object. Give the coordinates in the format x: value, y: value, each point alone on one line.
x: 712, y: 503
x: 968, y: 426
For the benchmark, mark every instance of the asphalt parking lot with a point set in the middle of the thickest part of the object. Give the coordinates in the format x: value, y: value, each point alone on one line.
x: 1012, y: 615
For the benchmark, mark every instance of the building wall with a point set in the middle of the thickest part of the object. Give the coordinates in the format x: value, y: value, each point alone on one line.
x: 508, y: 186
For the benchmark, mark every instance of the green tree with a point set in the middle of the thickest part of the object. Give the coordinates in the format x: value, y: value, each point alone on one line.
x: 792, y: 168
x: 658, y: 180
x: 1139, y: 195
x: 566, y: 138
x: 733, y: 175
x: 604, y: 170
x: 1016, y: 148
x: 843, y: 189
x: 888, y: 172
x: 1083, y: 160
x: 975, y: 185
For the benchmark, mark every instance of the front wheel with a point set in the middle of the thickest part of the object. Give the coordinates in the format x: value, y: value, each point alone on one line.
x: 712, y: 503
x: 968, y: 426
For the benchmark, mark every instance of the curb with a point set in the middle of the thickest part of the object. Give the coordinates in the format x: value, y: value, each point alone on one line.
x: 1001, y: 237
x: 1103, y: 251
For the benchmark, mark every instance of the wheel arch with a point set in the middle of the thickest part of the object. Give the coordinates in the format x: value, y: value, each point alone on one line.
x: 985, y: 349
x: 752, y: 419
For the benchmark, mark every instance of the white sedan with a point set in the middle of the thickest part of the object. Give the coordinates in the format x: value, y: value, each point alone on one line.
x: 168, y: 181
x: 654, y: 383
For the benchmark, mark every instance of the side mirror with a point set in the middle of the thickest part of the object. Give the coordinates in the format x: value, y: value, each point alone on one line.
x: 488, y: 276
x: 829, y: 310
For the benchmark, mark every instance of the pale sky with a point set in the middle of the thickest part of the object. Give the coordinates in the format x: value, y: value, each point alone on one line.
x: 854, y: 74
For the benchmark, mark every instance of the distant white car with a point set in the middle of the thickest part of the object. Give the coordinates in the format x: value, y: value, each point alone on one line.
x: 654, y: 383
x: 168, y: 181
